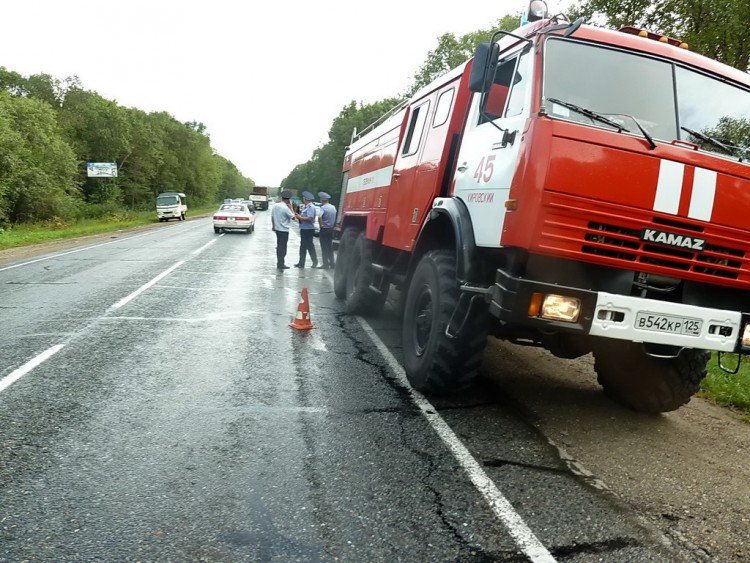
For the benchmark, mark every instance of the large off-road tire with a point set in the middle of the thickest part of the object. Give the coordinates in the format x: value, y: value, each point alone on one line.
x: 342, y: 255
x: 647, y: 384
x: 361, y: 299
x: 435, y: 363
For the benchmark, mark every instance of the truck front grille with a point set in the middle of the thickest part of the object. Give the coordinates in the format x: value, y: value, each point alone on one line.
x: 626, y: 245
x: 611, y: 234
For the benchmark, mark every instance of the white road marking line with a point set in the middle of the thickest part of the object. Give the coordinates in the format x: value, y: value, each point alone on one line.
x: 204, y: 247
x: 145, y: 286
x: 17, y: 374
x: 31, y: 364
x: 521, y: 533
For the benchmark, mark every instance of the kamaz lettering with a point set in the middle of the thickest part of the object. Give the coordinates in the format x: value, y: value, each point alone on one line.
x: 671, y: 239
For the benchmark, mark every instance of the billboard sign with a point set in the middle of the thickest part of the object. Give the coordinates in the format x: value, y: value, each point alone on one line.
x: 101, y: 169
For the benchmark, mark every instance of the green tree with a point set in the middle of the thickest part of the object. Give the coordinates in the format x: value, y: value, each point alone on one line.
x: 323, y: 171
x: 12, y: 82
x: 137, y: 170
x: 715, y: 28
x: 188, y: 162
x: 37, y: 167
x: 232, y: 184
x: 452, y: 52
x: 46, y: 88
x: 99, y: 131
x: 154, y: 153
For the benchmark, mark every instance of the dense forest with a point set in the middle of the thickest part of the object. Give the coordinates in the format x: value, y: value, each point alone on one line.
x: 50, y: 128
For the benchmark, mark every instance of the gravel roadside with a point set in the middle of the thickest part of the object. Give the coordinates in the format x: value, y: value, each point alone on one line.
x: 687, y: 472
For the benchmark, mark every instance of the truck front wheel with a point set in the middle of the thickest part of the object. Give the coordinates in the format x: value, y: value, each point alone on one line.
x: 645, y: 383
x: 435, y: 363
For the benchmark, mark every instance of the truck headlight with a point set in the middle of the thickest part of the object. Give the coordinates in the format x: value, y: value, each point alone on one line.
x: 555, y: 307
x: 746, y: 336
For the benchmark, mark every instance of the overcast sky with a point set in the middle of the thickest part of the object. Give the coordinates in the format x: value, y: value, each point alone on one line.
x: 267, y: 78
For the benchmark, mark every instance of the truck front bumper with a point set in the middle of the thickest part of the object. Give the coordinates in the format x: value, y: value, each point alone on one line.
x: 621, y: 317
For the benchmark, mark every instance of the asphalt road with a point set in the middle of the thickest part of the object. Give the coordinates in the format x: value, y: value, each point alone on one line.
x: 155, y: 405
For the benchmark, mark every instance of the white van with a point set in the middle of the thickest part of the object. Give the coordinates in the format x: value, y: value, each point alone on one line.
x: 171, y: 205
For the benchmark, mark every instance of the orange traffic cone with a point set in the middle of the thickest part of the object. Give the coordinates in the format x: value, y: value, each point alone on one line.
x: 302, y: 320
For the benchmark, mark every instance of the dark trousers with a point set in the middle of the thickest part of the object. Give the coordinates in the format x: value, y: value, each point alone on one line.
x: 326, y: 247
x: 282, y: 238
x: 306, y: 245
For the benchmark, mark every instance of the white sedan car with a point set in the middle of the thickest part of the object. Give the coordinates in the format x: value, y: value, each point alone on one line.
x: 234, y: 217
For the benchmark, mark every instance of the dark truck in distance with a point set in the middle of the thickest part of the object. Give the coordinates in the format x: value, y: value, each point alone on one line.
x: 259, y: 197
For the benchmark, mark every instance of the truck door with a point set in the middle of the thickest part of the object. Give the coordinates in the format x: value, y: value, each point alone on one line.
x: 486, y: 164
x: 402, y: 218
x: 416, y: 179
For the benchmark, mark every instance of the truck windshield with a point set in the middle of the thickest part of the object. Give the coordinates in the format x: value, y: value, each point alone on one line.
x: 667, y: 100
x: 167, y: 200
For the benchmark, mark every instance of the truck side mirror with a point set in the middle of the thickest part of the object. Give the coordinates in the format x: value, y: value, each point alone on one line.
x: 483, y: 67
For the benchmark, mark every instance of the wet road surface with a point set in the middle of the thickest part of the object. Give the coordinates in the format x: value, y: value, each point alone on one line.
x: 155, y: 405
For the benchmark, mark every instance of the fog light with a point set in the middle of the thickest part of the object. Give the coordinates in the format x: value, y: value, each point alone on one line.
x: 746, y: 336
x: 561, y: 308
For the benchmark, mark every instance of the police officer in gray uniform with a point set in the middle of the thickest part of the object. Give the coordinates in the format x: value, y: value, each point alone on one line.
x: 307, y: 231
x: 281, y: 218
x: 327, y: 220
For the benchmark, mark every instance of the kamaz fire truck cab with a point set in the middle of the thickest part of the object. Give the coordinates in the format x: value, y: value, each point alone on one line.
x: 571, y: 187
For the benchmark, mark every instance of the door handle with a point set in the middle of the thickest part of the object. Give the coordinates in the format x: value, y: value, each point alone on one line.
x: 396, y: 175
x: 464, y: 167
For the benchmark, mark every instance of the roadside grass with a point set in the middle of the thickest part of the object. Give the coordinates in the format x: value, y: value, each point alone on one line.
x: 37, y: 233
x: 727, y: 389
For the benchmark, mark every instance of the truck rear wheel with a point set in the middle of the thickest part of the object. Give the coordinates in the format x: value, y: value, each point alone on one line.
x: 435, y: 363
x: 361, y: 299
x: 647, y: 384
x: 342, y: 254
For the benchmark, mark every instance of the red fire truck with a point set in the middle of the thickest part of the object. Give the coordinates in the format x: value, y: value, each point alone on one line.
x: 570, y: 187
